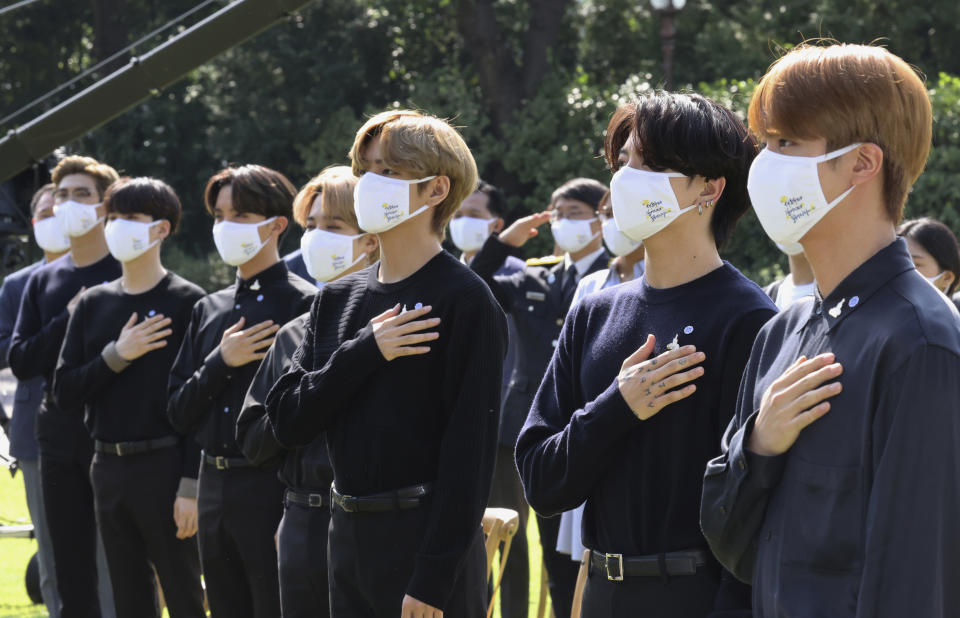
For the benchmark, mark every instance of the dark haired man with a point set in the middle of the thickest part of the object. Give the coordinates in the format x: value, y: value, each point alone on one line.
x: 646, y: 374
x: 538, y: 298
x: 53, y: 240
x: 229, y: 333
x: 120, y: 337
x: 66, y: 449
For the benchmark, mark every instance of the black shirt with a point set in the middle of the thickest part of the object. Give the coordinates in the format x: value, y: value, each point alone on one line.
x: 641, y: 480
x: 416, y: 419
x: 38, y: 335
x: 205, y: 394
x: 306, y: 468
x: 860, y: 517
x: 124, y: 402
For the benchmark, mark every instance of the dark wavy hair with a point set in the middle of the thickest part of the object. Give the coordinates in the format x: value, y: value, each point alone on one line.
x: 938, y: 240
x: 586, y: 190
x: 693, y: 135
x: 147, y: 196
x: 257, y: 190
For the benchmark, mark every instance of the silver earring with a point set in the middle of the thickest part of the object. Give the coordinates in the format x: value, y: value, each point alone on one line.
x: 700, y: 209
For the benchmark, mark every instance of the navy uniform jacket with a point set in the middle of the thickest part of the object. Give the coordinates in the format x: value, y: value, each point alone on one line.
x: 534, y: 298
x: 296, y: 265
x: 29, y: 393
x: 860, y: 516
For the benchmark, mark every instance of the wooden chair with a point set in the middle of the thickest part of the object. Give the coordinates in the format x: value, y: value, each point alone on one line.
x: 581, y: 584
x: 500, y: 525
x: 544, y: 593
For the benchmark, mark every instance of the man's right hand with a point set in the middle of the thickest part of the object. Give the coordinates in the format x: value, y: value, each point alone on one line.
x: 239, y: 347
x: 793, y: 401
x: 398, y: 334
x: 524, y: 229
x: 135, y: 340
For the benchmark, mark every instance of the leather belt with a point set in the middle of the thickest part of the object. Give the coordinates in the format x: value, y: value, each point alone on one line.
x: 226, y: 463
x: 122, y: 449
x: 303, y: 498
x: 397, y: 500
x: 616, y: 566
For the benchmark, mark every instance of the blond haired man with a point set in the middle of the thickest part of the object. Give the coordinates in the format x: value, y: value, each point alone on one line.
x: 837, y: 491
x: 401, y: 366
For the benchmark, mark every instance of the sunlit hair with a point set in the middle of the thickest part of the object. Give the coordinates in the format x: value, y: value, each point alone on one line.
x: 102, y: 174
x: 938, y: 240
x: 693, y: 135
x: 335, y: 184
x: 421, y: 145
x: 848, y: 94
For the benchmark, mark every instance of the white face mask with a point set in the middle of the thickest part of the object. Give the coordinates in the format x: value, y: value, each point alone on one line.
x: 644, y: 202
x: 787, y: 195
x: 933, y: 279
x: 617, y: 242
x: 469, y: 233
x: 50, y: 235
x: 77, y: 218
x: 572, y: 235
x: 128, y: 240
x: 793, y: 248
x: 327, y: 255
x: 382, y: 203
x: 237, y: 243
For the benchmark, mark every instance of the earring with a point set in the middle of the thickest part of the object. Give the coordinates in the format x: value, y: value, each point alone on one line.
x: 700, y: 209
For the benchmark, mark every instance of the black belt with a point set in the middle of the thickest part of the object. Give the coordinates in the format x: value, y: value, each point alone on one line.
x: 133, y: 448
x: 225, y: 463
x: 616, y: 566
x: 397, y: 500
x: 303, y: 498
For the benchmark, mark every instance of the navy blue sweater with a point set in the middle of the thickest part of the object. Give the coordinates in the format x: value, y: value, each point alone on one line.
x: 641, y: 480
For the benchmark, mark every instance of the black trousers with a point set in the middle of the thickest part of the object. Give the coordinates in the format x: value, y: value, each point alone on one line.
x: 134, y: 498
x: 68, y: 500
x: 304, y: 591
x: 561, y: 570
x: 371, y: 557
x: 680, y: 596
x: 239, y: 511
x: 506, y: 491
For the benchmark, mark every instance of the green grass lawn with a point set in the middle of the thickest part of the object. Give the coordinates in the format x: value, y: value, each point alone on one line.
x: 15, y: 553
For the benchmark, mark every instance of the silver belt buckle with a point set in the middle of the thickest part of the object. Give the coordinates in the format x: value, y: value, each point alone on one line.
x: 118, y: 447
x: 221, y: 463
x: 618, y: 577
x: 314, y: 500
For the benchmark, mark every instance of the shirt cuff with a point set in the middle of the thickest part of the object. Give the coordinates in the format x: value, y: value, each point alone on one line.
x: 113, y: 359
x: 610, y: 412
x: 432, y: 580
x: 187, y: 488
x: 217, y: 368
x: 764, y: 471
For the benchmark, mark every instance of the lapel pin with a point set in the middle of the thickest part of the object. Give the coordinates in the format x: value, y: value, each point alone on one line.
x: 673, y: 345
x: 687, y: 330
x: 256, y: 285
x: 854, y: 302
x: 835, y: 311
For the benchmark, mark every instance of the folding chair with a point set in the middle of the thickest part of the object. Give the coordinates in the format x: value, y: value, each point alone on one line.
x: 499, y: 525
x: 581, y: 584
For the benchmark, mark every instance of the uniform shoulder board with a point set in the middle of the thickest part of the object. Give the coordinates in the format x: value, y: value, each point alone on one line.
x: 547, y: 260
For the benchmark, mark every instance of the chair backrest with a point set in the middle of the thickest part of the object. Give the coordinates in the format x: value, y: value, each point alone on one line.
x: 581, y: 584
x: 500, y: 525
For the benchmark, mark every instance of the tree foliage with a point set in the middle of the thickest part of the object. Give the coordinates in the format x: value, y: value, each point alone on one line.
x: 531, y: 83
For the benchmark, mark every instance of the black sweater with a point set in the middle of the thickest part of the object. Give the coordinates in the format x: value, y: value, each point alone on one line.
x: 426, y: 418
x: 38, y: 335
x: 205, y: 394
x: 124, y: 402
x: 306, y: 468
x: 641, y: 479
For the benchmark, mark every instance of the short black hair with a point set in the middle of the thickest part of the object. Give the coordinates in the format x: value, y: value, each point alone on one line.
x: 695, y: 136
x: 148, y: 196
x: 38, y: 195
x: 257, y: 190
x: 938, y: 240
x: 586, y: 190
x: 496, y: 200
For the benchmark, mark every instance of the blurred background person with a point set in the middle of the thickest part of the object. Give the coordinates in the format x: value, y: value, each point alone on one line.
x: 798, y: 282
x: 935, y: 253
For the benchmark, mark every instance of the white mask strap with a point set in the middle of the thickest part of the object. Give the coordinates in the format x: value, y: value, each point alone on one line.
x: 837, y: 153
